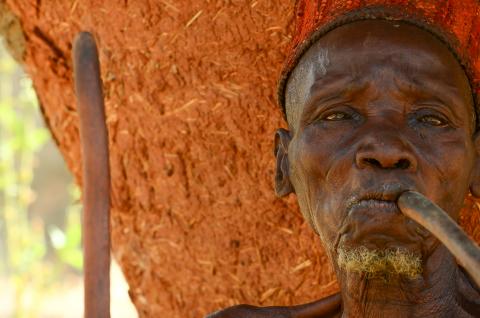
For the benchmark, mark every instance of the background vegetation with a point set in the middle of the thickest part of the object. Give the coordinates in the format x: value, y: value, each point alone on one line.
x: 37, y: 249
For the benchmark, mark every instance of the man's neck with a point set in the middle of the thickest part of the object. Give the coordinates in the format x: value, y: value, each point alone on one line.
x: 431, y: 295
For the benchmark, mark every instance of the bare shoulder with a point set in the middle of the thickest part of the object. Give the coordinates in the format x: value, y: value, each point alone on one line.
x: 328, y: 307
x: 469, y: 298
x: 247, y: 311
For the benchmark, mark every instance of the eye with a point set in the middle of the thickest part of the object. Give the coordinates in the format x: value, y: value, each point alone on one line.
x: 433, y: 120
x: 336, y: 116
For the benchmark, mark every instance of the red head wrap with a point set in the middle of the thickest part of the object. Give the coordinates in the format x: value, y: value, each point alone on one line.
x: 455, y: 22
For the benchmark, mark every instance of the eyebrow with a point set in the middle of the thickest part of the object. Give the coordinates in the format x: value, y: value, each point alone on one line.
x: 429, y: 87
x: 327, y: 89
x: 445, y: 97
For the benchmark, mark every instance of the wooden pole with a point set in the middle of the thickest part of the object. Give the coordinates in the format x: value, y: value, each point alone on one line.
x: 96, y: 177
x: 447, y: 231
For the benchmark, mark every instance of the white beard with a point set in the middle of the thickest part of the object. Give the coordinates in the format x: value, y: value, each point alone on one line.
x: 380, y: 263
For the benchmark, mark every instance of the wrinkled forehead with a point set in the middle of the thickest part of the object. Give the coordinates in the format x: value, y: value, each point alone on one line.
x: 349, y: 52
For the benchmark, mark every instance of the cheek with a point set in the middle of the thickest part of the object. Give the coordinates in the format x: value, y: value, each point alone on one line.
x: 449, y: 166
x: 312, y: 156
x: 318, y: 149
x: 317, y: 179
x: 305, y: 175
x: 326, y: 157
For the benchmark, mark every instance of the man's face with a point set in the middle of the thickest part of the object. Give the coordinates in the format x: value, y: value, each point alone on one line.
x: 376, y: 108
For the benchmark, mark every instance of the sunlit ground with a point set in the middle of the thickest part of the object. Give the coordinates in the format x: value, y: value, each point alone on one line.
x: 40, y: 213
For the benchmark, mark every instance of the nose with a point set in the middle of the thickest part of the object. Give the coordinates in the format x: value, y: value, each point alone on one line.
x: 385, y: 151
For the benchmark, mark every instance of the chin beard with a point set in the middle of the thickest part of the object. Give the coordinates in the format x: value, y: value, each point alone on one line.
x: 380, y: 263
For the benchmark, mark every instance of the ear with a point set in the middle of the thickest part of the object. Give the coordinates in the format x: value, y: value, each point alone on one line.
x: 283, y: 186
x: 475, y: 181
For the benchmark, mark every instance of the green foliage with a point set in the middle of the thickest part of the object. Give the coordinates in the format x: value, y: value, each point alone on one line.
x: 68, y: 243
x: 22, y: 236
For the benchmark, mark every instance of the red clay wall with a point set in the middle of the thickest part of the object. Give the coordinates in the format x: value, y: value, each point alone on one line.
x: 190, y: 97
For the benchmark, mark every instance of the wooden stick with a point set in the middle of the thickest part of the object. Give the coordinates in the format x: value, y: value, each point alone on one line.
x: 439, y: 223
x: 96, y: 177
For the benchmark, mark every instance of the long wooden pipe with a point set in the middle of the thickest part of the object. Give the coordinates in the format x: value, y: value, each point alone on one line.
x: 96, y: 177
x: 447, y: 231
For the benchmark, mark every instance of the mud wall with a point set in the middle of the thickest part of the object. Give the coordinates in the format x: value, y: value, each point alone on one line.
x: 191, y: 112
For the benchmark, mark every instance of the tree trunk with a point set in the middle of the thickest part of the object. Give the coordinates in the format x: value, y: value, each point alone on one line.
x: 191, y: 111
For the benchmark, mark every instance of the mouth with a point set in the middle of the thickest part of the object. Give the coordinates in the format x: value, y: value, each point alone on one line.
x: 374, y: 220
x: 375, y: 204
x: 382, y: 198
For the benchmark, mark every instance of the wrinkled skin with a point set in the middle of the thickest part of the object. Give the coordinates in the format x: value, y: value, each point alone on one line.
x: 376, y: 108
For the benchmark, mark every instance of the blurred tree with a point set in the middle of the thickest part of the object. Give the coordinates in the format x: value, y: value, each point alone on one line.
x: 21, y: 137
x: 24, y: 236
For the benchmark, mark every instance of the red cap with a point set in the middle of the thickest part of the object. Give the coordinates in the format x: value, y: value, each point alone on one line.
x: 454, y: 22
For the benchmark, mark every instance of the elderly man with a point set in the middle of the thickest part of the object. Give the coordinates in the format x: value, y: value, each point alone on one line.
x: 378, y: 102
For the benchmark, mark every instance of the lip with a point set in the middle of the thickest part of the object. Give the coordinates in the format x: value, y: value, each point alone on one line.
x: 382, y: 197
x: 384, y: 205
x: 374, y: 219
